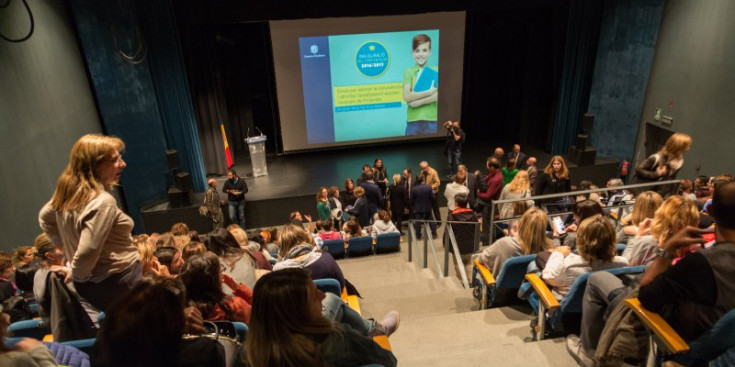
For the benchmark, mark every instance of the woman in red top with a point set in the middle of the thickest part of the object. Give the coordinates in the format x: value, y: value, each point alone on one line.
x: 202, y: 275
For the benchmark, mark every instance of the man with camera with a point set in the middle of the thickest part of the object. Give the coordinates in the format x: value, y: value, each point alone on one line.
x: 453, y: 147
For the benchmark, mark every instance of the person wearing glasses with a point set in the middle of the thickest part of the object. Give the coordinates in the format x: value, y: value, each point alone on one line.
x: 83, y: 219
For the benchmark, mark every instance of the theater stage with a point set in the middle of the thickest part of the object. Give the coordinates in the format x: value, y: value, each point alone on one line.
x: 293, y: 179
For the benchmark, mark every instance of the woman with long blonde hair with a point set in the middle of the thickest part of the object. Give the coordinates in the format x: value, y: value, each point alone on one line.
x: 83, y: 218
x: 554, y: 180
x: 664, y: 164
x: 531, y: 239
x: 518, y: 188
x: 673, y: 215
x: 646, y: 204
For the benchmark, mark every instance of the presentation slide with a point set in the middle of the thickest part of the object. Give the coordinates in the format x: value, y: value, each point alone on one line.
x: 363, y: 80
x: 370, y: 86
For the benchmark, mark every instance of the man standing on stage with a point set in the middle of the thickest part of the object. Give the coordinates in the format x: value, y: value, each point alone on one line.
x: 431, y: 178
x: 453, y: 147
x: 236, y: 189
x: 214, y: 204
x: 499, y: 154
x: 494, y: 181
x: 519, y: 156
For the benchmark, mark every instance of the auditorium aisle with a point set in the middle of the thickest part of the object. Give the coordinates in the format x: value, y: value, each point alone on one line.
x: 440, y: 321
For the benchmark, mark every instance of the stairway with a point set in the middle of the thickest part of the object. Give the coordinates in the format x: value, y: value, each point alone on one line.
x: 440, y: 321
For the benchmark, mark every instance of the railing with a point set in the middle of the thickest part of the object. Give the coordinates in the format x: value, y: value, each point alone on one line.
x: 451, y: 240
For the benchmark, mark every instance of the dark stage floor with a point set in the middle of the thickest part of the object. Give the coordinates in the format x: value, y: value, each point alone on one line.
x: 302, y: 174
x: 292, y: 180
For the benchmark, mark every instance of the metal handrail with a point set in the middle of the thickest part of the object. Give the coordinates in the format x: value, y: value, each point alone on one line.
x: 449, y: 232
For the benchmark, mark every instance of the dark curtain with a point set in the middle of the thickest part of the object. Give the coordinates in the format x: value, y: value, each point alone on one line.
x: 208, y: 95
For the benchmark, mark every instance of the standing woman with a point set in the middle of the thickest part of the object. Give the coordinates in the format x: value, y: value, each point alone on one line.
x: 380, y: 176
x: 322, y: 204
x: 554, y: 180
x: 665, y: 164
x: 397, y: 195
x: 349, y: 198
x: 84, y: 220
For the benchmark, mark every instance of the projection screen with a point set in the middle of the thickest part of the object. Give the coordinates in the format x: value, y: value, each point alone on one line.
x: 345, y: 81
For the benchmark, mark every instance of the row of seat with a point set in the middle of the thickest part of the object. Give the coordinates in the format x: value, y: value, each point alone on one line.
x: 558, y: 318
x: 361, y: 246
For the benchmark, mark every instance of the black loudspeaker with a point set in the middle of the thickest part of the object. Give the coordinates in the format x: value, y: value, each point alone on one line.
x: 588, y: 122
x: 582, y: 141
x: 583, y: 157
x: 183, y: 181
x: 178, y: 198
x: 172, y: 158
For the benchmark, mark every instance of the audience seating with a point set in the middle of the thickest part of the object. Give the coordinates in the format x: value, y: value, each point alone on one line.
x: 242, y: 330
x: 85, y: 345
x: 336, y: 248
x: 388, y: 242
x: 621, y: 248
x: 35, y: 329
x: 709, y: 346
x: 358, y: 246
x: 491, y: 291
x: 351, y: 300
x: 554, y: 316
x: 328, y: 285
x: 68, y: 355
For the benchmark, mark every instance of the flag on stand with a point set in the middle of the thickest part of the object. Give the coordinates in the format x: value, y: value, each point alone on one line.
x: 227, y: 146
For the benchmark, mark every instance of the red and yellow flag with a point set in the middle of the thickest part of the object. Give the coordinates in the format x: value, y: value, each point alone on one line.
x: 227, y: 146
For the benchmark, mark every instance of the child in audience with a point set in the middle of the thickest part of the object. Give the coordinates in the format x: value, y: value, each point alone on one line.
x: 288, y: 329
x: 237, y: 262
x: 193, y: 248
x: 597, y: 251
x: 675, y: 213
x: 352, y: 229
x: 644, y: 208
x: 203, y: 277
x: 328, y: 232
x: 531, y: 239
x: 383, y: 224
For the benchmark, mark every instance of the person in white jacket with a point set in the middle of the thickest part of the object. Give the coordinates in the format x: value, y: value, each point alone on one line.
x: 383, y: 224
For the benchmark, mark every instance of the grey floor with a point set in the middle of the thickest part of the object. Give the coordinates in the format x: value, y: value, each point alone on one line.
x: 440, y: 321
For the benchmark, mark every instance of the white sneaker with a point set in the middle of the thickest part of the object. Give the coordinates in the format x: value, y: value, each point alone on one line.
x: 388, y: 325
x: 577, y: 351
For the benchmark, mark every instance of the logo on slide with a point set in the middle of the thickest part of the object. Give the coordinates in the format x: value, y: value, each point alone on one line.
x: 372, y: 59
x: 314, y: 49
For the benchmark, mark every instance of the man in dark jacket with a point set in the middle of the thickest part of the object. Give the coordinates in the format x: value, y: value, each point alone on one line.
x: 421, y: 197
x: 236, y: 188
x: 372, y: 194
x: 464, y: 234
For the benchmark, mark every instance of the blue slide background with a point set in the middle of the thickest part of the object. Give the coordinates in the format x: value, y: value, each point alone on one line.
x: 326, y: 125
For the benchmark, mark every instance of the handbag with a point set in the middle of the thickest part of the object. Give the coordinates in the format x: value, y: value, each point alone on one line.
x: 203, y: 210
x: 224, y: 333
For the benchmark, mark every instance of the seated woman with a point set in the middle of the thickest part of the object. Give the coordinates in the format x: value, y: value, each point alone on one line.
x: 352, y: 229
x: 202, y: 276
x: 237, y: 262
x: 645, y: 206
x: 597, y: 251
x: 672, y: 216
x: 287, y: 328
x: 298, y: 251
x: 518, y: 187
x: 193, y: 248
x: 25, y: 268
x: 383, y: 224
x: 531, y: 240
x: 328, y: 233
x: 145, y: 328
